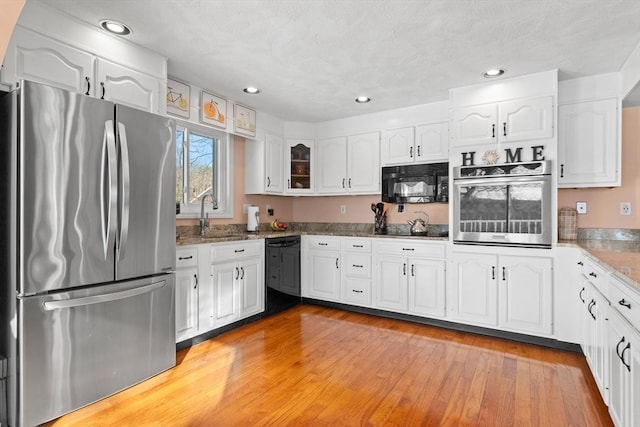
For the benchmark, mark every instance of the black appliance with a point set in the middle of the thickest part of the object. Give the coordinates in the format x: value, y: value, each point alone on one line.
x: 282, y: 273
x: 421, y: 183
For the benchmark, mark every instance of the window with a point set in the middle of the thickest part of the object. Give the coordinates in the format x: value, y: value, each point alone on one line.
x: 203, y: 159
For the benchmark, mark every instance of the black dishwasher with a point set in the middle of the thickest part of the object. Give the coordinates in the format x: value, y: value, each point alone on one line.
x: 282, y: 273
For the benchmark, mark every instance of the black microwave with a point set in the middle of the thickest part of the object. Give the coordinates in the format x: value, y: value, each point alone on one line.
x: 422, y: 183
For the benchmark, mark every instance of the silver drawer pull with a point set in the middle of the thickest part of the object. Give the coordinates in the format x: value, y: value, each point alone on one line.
x: 408, y: 249
x: 358, y: 266
x: 357, y: 291
x: 185, y: 257
x: 323, y: 244
x: 358, y: 246
x: 238, y: 251
x: 624, y: 303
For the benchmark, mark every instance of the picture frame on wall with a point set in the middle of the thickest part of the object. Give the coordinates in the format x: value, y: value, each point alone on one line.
x: 213, y: 110
x: 178, y: 98
x: 245, y: 121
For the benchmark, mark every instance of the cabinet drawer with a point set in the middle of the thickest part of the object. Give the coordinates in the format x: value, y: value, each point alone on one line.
x: 324, y: 242
x: 410, y: 248
x: 597, y: 275
x: 186, y: 257
x: 230, y: 251
x: 625, y: 301
x: 357, y: 245
x: 357, y: 265
x: 357, y: 291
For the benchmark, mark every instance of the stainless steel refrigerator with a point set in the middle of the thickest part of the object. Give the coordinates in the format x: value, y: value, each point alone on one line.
x: 88, y: 249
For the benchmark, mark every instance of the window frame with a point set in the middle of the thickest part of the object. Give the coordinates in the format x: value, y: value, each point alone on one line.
x: 223, y: 171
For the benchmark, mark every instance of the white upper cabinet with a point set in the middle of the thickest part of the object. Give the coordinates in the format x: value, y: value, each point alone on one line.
x: 123, y: 85
x: 419, y: 144
x: 264, y: 170
x: 589, y: 144
x: 398, y: 146
x: 274, y: 159
x: 507, y: 121
x: 48, y: 47
x: 31, y: 56
x: 349, y: 164
x: 432, y: 142
x: 332, y: 166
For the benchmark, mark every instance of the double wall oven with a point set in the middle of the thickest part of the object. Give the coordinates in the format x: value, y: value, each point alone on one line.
x: 506, y: 204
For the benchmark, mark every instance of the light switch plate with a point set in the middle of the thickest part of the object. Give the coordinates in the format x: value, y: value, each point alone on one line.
x: 581, y: 207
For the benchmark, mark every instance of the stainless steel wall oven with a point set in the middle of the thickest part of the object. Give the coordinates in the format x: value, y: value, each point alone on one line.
x: 507, y: 204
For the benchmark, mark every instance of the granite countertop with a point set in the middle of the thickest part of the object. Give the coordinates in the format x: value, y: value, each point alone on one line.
x: 183, y: 240
x: 621, y: 256
x: 189, y: 235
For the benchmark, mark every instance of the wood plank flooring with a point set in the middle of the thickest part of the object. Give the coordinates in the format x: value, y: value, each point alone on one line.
x: 315, y: 366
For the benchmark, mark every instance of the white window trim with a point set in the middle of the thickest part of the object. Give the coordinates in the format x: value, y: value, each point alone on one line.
x: 224, y: 174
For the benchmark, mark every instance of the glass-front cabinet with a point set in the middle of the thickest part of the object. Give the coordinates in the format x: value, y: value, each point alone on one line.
x: 300, y: 154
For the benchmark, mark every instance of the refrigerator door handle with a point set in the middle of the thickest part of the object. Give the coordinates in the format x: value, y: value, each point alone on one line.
x: 109, y: 168
x: 96, y: 299
x: 126, y: 181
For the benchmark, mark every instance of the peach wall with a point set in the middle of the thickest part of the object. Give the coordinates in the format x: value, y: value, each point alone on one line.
x: 327, y: 209
x: 603, y: 204
x: 8, y: 17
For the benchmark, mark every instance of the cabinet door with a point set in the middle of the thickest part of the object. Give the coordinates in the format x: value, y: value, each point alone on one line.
x: 251, y: 287
x: 391, y: 292
x: 474, y: 125
x: 588, y: 144
x: 32, y: 56
x: 525, y: 119
x: 474, y: 295
x: 274, y: 159
x: 525, y: 289
x: 186, y: 303
x: 620, y: 337
x: 300, y: 168
x: 123, y: 85
x: 426, y: 287
x: 226, y: 304
x: 332, y: 166
x: 397, y: 146
x: 324, y: 275
x: 363, y: 163
x: 432, y: 142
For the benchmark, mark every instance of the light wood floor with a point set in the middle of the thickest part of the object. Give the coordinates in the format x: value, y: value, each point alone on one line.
x: 315, y: 366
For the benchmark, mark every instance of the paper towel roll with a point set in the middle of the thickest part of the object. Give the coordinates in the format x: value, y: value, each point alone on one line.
x: 253, y: 218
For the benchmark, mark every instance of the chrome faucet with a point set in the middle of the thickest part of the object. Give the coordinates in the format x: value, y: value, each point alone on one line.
x: 204, y: 220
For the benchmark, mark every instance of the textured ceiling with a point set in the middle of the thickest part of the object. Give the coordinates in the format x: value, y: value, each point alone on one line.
x: 312, y: 58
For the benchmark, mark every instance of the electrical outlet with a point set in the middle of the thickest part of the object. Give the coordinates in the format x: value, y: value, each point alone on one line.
x: 581, y: 207
x: 625, y: 208
x: 269, y: 210
x: 343, y: 209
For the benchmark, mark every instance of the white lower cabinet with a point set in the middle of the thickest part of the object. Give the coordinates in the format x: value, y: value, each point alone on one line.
x: 624, y: 354
x: 187, y: 281
x: 506, y: 291
x: 321, y: 270
x: 624, y: 380
x: 356, y: 280
x: 234, y: 289
x: 410, y: 276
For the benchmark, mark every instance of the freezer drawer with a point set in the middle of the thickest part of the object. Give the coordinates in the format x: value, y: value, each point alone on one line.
x: 81, y: 346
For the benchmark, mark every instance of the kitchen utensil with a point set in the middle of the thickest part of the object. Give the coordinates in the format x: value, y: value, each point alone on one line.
x: 418, y: 225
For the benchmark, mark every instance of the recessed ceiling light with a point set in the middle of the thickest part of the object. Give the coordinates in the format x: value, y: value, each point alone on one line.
x: 494, y: 72
x: 115, y: 27
x: 363, y: 99
x: 251, y: 90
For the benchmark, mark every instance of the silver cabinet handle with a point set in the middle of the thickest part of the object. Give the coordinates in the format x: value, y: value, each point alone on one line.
x: 88, y: 85
x: 195, y: 276
x: 337, y: 259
